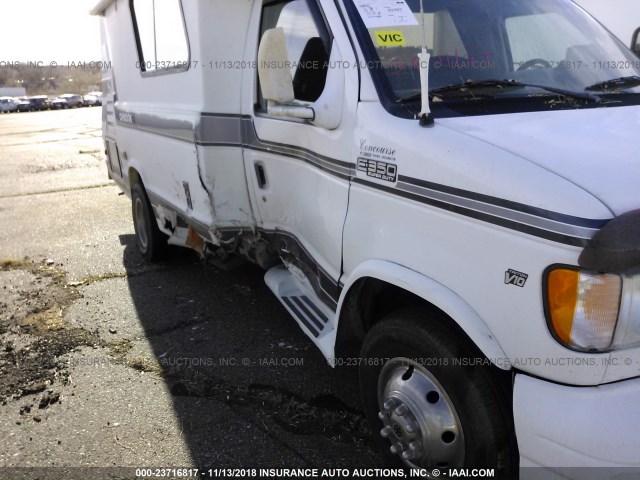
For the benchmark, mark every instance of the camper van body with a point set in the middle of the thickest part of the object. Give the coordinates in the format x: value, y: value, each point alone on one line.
x: 359, y: 211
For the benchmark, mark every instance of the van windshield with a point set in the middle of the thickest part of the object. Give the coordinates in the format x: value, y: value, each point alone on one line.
x: 492, y: 49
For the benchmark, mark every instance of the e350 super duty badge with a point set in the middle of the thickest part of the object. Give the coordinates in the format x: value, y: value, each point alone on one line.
x: 377, y: 169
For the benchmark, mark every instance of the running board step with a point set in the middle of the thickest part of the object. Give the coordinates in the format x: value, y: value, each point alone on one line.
x: 315, y: 318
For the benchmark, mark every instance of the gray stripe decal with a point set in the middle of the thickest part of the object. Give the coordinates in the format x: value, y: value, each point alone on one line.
x: 219, y: 130
x: 307, y: 313
x: 315, y: 309
x: 146, y: 122
x: 497, y: 211
x: 329, y: 298
x: 295, y: 239
x: 200, y: 228
x: 239, y: 131
x: 300, y: 316
x: 226, y: 130
x: 251, y: 140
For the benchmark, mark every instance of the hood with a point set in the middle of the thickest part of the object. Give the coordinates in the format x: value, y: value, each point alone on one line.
x: 595, y: 149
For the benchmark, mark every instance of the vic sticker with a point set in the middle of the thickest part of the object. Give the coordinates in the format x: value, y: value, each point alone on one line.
x: 390, y: 38
x: 376, y: 169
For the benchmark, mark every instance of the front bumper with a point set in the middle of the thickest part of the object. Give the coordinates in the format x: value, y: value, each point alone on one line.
x: 562, y: 426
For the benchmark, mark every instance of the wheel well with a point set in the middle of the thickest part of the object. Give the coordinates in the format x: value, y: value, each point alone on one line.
x: 369, y: 301
x: 134, y: 177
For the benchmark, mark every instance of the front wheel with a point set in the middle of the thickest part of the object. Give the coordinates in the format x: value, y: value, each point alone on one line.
x: 152, y: 243
x: 432, y: 399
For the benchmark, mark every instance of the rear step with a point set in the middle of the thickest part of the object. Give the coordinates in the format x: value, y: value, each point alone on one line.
x: 313, y: 316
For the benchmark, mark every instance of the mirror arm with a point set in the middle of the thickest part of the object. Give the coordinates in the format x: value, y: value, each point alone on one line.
x: 293, y: 111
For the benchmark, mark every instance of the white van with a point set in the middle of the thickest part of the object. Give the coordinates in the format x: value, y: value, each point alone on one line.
x: 8, y: 104
x: 467, y: 234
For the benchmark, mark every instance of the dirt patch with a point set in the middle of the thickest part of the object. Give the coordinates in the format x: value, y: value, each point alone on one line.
x: 33, y: 333
x: 325, y: 415
x: 97, y: 278
x: 35, y: 340
x: 35, y: 337
x: 120, y: 348
x: 143, y: 364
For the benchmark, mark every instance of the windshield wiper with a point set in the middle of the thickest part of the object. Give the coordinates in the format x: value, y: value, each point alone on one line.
x: 616, y: 83
x: 470, y: 84
x: 498, y: 84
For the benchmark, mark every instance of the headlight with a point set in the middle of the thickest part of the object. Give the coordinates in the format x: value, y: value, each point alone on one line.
x: 582, y: 308
x: 628, y: 329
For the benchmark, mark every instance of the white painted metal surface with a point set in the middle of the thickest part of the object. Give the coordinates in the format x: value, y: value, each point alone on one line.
x: 556, y: 425
x: 357, y: 192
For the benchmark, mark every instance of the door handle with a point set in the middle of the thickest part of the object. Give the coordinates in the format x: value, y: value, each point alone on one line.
x: 261, y: 175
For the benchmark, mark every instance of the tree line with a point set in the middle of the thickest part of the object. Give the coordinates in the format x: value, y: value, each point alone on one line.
x: 48, y: 80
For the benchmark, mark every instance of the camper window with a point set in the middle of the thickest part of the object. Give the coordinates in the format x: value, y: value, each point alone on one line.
x: 161, y: 36
x: 308, y: 44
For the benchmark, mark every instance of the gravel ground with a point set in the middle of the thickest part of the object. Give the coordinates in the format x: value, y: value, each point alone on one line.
x: 108, y: 362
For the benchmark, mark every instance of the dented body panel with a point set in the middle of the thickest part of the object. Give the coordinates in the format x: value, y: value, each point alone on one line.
x: 465, y: 218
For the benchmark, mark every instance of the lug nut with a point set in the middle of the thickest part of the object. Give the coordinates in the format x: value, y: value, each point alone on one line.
x: 415, y: 446
x: 386, y: 431
x: 411, y: 427
x: 383, y: 415
x: 396, y: 448
x: 407, y: 455
x: 402, y: 410
x: 389, y: 404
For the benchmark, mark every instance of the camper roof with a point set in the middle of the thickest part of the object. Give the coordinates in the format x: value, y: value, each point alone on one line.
x: 101, y: 7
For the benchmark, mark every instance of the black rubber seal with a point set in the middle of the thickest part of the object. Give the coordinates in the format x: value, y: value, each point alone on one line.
x: 616, y: 246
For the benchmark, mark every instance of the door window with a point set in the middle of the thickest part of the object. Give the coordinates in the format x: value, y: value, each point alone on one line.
x: 308, y: 45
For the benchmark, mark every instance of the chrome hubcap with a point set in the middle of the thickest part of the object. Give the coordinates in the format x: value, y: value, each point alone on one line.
x: 141, y: 225
x: 418, y: 417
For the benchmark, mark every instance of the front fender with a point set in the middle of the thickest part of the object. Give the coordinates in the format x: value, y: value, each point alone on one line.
x: 436, y: 294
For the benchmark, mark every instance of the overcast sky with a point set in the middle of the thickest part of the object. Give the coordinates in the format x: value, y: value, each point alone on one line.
x: 47, y: 30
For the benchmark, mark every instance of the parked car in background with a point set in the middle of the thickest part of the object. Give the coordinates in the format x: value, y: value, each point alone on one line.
x: 23, y: 103
x: 73, y: 100
x: 39, y: 102
x: 58, y: 103
x: 93, y: 99
x: 8, y: 104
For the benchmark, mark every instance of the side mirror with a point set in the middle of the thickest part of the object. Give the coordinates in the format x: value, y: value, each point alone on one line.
x: 276, y: 83
x: 273, y: 67
x: 635, y: 42
x: 274, y: 72
x: 328, y: 108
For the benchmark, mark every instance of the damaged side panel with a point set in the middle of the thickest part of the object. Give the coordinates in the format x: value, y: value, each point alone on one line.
x: 223, y: 173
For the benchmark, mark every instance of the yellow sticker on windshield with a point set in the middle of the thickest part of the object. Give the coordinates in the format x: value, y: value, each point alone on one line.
x: 390, y: 38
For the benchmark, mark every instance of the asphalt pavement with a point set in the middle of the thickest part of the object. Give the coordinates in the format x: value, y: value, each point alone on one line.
x: 107, y: 361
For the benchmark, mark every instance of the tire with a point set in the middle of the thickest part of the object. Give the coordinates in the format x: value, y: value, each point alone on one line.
x: 152, y: 243
x: 422, y: 380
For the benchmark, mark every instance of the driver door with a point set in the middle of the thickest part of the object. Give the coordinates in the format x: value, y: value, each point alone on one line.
x: 299, y: 172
